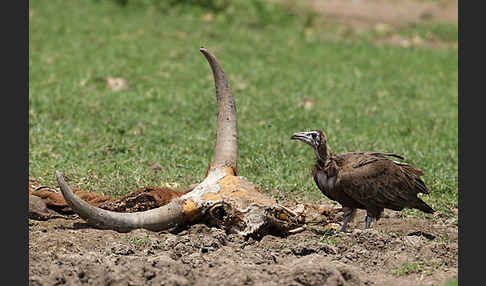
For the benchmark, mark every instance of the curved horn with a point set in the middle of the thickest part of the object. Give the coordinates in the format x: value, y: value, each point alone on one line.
x: 182, y: 209
x: 161, y: 218
x: 226, y: 149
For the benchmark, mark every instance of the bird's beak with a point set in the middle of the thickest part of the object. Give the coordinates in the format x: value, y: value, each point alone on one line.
x: 302, y: 136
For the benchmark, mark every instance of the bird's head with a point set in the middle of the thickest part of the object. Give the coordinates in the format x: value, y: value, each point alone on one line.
x: 317, y: 139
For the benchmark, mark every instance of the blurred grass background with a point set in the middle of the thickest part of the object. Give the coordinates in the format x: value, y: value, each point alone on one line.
x: 290, y: 69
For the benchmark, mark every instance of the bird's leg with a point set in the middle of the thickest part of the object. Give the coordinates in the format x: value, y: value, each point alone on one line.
x: 345, y: 223
x: 348, y: 215
x: 368, y: 222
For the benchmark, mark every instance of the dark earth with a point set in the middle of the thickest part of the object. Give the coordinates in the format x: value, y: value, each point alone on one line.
x: 399, y: 249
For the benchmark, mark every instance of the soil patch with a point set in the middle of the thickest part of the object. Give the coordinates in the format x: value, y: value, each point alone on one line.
x: 386, y: 17
x: 402, y: 251
x: 387, y: 11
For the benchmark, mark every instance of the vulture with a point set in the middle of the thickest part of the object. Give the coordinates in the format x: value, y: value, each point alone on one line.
x: 364, y: 180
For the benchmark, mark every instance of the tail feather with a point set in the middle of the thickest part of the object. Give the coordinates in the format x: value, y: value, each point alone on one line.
x: 421, y: 187
x: 421, y: 205
x: 410, y: 169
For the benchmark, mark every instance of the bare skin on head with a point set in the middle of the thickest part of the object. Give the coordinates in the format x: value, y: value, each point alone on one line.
x: 364, y: 180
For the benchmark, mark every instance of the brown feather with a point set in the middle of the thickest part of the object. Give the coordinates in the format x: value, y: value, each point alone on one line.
x: 366, y: 180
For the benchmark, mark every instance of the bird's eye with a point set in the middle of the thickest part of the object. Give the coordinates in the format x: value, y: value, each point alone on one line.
x: 313, y: 136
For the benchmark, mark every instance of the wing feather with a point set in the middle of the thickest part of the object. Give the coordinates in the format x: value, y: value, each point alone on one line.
x: 373, y: 180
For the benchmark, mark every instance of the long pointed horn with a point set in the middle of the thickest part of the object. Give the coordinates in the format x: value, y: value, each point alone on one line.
x: 226, y: 149
x: 160, y: 218
x: 182, y: 209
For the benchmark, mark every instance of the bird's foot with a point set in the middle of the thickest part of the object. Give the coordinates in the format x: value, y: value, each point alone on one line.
x: 368, y: 222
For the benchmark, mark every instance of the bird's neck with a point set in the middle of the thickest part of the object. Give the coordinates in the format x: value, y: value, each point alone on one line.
x: 323, y: 155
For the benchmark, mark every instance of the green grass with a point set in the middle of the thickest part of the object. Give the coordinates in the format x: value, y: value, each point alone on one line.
x: 451, y: 283
x: 366, y: 97
x: 409, y: 268
x: 431, y: 31
x: 329, y: 238
x: 138, y: 241
x: 425, y: 32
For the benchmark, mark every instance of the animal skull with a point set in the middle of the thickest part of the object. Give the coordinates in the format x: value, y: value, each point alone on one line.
x: 223, y: 199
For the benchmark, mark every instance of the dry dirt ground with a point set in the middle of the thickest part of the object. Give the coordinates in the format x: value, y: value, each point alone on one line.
x: 398, y: 249
x: 386, y: 17
x: 387, y: 11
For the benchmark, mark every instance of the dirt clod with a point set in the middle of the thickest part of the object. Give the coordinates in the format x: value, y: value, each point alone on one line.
x: 397, y: 249
x: 203, y: 255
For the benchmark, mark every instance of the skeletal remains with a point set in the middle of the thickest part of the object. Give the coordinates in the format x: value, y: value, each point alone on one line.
x: 222, y: 198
